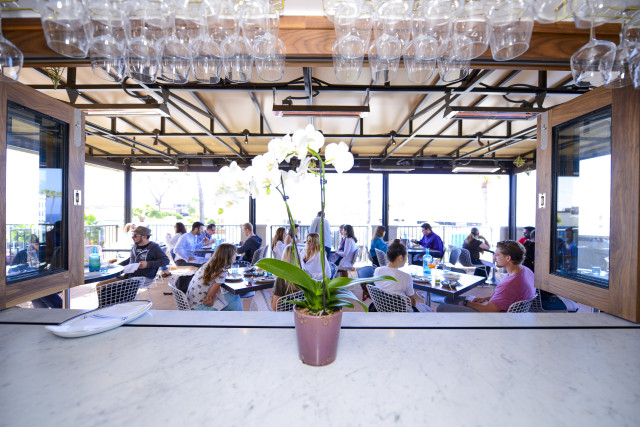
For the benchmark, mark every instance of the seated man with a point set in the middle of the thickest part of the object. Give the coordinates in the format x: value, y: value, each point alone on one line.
x: 149, y: 254
x: 187, y: 246
x: 517, y: 285
x: 431, y: 241
x: 207, y: 237
x: 250, y: 245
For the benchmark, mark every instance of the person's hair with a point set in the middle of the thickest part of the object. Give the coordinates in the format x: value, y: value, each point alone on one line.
x: 279, y: 237
x: 396, y: 249
x: 474, y: 233
x: 315, y: 245
x: 222, y: 259
x: 513, y: 249
x: 532, y: 236
x: 319, y: 213
x: 248, y: 226
x: 34, y: 239
x: 292, y: 231
x: 196, y: 224
x: 379, y: 231
x: 128, y: 227
x: 349, y: 232
x: 180, y: 228
x: 426, y: 226
x: 210, y: 226
x: 287, y: 256
x: 342, y: 227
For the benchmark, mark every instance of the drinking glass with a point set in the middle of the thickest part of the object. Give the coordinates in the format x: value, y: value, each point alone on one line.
x: 66, y: 27
x: 470, y: 21
x: 550, y: 11
x: 420, y: 59
x: 259, y: 18
x: 108, y: 39
x: 384, y: 58
x: 269, y: 52
x: 207, y: 60
x: 189, y: 20
x: 634, y: 65
x: 221, y: 22
x: 617, y: 69
x: 592, y: 13
x: 585, y: 63
x: 143, y: 63
x: 631, y: 29
x: 434, y: 19
x: 455, y: 63
x: 11, y: 59
x: 354, y: 17
x: 348, y: 56
x: 175, y: 61
x: 393, y: 18
x: 512, y: 24
x: 237, y: 58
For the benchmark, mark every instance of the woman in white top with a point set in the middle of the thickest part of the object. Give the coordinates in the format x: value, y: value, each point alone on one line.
x: 311, y: 260
x: 397, y: 257
x: 277, y: 244
x: 350, y: 245
x: 204, y: 291
x: 179, y: 229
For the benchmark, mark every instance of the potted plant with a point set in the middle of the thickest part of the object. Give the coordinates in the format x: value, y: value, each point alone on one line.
x: 318, y: 317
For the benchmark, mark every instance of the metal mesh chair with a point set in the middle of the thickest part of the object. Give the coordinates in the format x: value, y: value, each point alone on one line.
x: 180, y: 298
x: 257, y: 255
x: 521, y: 306
x: 120, y: 291
x: 536, y: 305
x: 382, y: 257
x: 334, y: 270
x: 454, y: 254
x: 282, y: 305
x: 388, y: 302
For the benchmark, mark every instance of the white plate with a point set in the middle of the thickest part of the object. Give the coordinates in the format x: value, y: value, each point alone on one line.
x: 101, y: 319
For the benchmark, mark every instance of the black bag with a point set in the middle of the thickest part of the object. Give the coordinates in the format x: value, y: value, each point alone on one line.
x: 183, y: 283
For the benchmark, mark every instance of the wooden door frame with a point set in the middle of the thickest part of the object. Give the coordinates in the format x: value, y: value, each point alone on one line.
x: 621, y: 298
x: 27, y: 290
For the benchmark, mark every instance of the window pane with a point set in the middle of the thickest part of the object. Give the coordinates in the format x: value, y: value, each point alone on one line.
x: 526, y: 199
x: 36, y: 194
x: 582, y: 160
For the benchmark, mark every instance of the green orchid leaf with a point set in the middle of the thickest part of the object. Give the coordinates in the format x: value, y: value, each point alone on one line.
x: 288, y: 272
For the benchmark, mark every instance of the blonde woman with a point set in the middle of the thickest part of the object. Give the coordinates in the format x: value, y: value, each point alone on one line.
x: 282, y: 287
x: 475, y: 244
x: 204, y: 291
x: 311, y: 261
x: 277, y: 244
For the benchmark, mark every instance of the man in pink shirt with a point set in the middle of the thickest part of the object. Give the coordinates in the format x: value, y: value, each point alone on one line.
x: 517, y: 285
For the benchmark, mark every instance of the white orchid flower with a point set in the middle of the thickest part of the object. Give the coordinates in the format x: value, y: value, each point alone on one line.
x: 282, y: 148
x: 339, y: 156
x: 305, y: 138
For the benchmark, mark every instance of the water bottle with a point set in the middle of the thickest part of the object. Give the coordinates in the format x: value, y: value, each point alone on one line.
x: 426, y: 260
x: 94, y: 260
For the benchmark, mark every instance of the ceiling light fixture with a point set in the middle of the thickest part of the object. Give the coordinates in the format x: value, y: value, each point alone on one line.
x: 117, y: 110
x: 156, y: 132
x: 480, y: 143
x: 320, y: 110
x: 246, y: 136
x: 393, y: 137
x: 475, y: 169
x: 492, y: 113
x: 391, y: 168
x: 153, y: 166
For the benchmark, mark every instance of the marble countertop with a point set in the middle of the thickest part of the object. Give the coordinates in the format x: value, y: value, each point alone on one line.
x: 188, y: 368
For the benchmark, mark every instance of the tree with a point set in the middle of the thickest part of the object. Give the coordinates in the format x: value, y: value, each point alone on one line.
x: 159, y: 186
x: 200, y: 198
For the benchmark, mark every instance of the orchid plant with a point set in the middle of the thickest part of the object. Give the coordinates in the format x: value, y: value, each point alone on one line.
x: 325, y: 295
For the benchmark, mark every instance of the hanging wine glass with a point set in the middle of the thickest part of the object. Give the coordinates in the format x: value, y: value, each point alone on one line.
x: 617, y: 69
x: 585, y: 63
x: 11, y: 58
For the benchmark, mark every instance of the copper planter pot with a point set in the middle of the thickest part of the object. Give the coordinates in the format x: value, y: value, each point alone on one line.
x: 317, y: 337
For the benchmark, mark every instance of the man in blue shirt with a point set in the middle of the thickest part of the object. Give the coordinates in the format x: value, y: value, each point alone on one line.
x: 431, y: 241
x: 188, y: 244
x: 207, y: 237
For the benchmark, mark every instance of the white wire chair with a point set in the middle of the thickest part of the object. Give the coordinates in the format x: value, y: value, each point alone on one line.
x: 521, y: 306
x: 536, y: 305
x: 180, y: 298
x: 388, y: 302
x: 119, y: 291
x: 283, y: 305
x: 334, y: 270
x: 382, y: 257
x: 259, y: 254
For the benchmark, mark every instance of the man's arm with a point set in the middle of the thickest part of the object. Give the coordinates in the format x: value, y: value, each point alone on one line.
x: 484, y: 308
x: 158, y: 258
x: 181, y: 247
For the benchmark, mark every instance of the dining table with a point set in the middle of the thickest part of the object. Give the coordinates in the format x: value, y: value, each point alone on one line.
x: 435, y: 283
x: 99, y: 276
x: 248, y: 280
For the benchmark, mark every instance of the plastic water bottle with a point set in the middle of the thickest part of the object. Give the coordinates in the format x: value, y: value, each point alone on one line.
x: 94, y: 260
x: 426, y: 259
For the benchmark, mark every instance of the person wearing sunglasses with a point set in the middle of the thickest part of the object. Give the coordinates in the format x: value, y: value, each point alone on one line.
x: 147, y: 253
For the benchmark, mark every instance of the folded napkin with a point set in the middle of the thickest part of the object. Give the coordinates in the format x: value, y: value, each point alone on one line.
x: 130, y: 268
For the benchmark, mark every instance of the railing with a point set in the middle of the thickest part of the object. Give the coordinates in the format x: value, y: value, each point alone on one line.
x: 451, y: 234
x: 103, y: 235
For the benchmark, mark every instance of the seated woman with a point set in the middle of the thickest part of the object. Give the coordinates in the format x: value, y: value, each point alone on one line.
x: 282, y: 287
x: 475, y: 244
x: 377, y: 243
x: 397, y: 256
x: 277, y: 244
x: 349, y: 245
x: 311, y: 259
x: 204, y: 291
